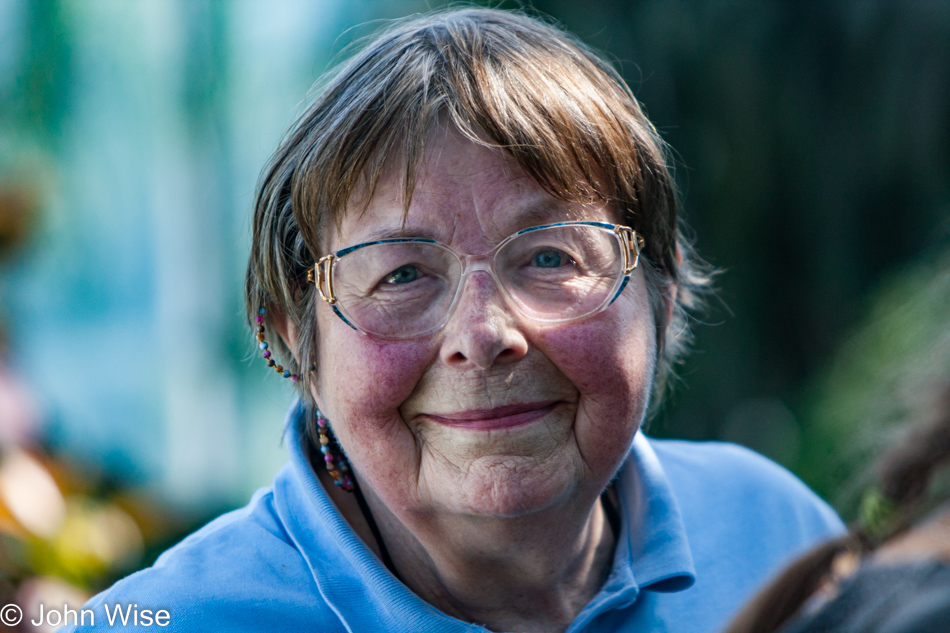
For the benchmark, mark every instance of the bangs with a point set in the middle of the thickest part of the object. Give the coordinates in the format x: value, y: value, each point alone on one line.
x: 505, y: 81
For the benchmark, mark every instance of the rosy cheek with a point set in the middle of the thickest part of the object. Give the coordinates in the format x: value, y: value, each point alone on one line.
x: 367, y: 378
x: 601, y: 355
x: 610, y: 361
x: 582, y: 353
x: 363, y: 382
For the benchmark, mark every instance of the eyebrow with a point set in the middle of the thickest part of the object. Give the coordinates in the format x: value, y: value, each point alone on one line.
x: 397, y: 232
x: 537, y: 212
x: 547, y: 210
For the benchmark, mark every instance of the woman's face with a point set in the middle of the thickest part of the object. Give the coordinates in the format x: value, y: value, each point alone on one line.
x: 492, y: 415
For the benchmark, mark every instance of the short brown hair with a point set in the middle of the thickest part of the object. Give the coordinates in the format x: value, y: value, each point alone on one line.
x: 506, y: 80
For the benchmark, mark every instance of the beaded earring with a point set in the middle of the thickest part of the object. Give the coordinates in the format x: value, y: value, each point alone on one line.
x: 265, y: 351
x: 337, y: 465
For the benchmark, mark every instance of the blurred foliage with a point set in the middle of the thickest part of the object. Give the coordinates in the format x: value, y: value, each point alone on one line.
x: 881, y: 381
x: 66, y: 531
x: 33, y: 107
x: 18, y: 211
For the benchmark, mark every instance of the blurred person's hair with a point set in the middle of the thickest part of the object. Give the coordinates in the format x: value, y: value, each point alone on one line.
x: 504, y: 80
x: 907, y: 491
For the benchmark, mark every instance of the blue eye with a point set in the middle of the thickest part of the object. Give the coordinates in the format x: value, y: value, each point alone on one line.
x: 402, y: 275
x: 549, y: 259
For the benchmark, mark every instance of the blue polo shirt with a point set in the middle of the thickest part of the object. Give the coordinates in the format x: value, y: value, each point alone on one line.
x: 702, y: 526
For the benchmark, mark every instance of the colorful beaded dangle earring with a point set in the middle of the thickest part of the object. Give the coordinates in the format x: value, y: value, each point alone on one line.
x: 337, y: 465
x: 265, y: 351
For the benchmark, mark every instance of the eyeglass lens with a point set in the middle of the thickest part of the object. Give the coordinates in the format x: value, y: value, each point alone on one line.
x: 405, y: 289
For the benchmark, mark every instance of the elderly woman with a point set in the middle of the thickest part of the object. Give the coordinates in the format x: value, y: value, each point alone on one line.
x: 466, y: 256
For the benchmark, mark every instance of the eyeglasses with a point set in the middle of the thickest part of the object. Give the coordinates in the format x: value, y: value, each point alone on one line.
x: 407, y: 287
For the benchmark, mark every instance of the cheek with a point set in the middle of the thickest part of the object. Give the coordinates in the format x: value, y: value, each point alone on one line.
x: 362, y: 382
x: 610, y: 359
x: 607, y: 370
x: 363, y: 378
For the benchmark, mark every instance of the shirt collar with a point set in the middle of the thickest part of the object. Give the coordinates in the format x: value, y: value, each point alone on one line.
x: 652, y: 552
x: 659, y: 548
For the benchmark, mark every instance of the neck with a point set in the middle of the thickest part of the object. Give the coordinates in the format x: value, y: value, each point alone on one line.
x: 531, y: 573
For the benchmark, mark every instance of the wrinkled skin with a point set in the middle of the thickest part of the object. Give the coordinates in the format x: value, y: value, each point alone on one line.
x: 467, y: 512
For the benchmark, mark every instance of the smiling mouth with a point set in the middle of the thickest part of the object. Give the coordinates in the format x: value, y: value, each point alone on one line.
x: 497, y: 418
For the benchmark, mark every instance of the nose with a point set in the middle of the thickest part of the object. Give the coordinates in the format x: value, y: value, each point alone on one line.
x: 482, y: 331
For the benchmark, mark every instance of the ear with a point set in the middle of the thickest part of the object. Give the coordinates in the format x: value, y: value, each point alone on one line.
x: 288, y: 333
x: 285, y: 328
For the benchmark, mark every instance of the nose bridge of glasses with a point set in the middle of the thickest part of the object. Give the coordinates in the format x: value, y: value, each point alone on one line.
x: 472, y: 264
x: 475, y: 263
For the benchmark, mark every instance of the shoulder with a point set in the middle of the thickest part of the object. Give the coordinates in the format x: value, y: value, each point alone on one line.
x: 716, y: 481
x: 250, y: 535
x: 738, y: 464
x: 723, y: 468
x: 241, y: 572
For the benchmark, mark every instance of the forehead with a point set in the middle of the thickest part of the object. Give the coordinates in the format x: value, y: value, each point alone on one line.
x: 466, y: 194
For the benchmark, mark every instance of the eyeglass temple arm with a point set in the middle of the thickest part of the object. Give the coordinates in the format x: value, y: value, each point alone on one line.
x: 633, y: 243
x: 320, y: 276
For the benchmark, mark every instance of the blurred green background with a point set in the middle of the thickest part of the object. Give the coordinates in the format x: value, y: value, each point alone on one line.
x: 813, y: 154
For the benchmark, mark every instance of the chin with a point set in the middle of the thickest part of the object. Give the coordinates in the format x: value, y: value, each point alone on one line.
x: 510, y: 487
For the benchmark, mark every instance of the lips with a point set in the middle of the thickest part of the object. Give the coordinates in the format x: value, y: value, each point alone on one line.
x: 496, y: 418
